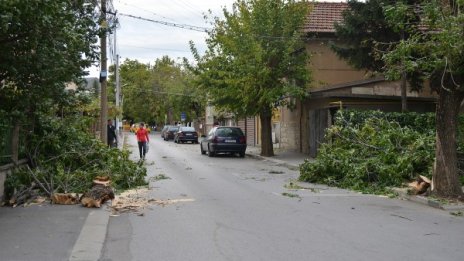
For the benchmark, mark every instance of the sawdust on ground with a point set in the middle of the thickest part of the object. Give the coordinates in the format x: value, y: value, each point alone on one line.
x: 137, y: 200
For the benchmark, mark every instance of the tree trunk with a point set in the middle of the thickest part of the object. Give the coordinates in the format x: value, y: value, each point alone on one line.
x: 267, y: 149
x: 15, y: 143
x: 404, y: 97
x: 445, y: 173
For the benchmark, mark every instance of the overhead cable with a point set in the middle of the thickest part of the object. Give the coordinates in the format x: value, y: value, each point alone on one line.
x: 183, y: 26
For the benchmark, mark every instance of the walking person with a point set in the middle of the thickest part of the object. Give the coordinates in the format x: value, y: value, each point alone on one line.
x: 111, y: 131
x: 142, y: 140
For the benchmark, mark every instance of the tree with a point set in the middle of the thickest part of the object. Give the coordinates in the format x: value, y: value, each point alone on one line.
x: 364, y: 31
x: 436, y: 51
x: 44, y: 44
x: 255, y: 58
x: 151, y: 92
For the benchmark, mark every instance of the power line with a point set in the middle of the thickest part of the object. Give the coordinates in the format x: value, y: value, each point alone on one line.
x: 146, y: 10
x: 203, y: 29
x: 183, y: 26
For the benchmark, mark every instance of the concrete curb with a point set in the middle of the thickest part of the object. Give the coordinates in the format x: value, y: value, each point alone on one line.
x: 403, y: 194
x: 278, y: 162
x: 89, y: 244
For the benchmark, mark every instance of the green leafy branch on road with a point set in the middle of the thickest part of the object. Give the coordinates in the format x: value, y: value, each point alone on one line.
x: 291, y: 195
x: 65, y: 158
x: 371, y: 155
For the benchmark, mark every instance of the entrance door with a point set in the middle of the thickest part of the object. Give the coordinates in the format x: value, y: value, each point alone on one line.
x: 318, y: 123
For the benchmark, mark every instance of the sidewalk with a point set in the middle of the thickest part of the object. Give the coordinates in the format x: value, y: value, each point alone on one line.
x: 47, y: 232
x: 289, y: 159
x: 292, y: 160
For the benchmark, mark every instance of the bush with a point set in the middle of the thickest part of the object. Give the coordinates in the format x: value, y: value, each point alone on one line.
x: 372, y: 151
x: 64, y: 157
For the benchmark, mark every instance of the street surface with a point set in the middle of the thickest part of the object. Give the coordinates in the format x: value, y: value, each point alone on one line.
x: 242, y: 209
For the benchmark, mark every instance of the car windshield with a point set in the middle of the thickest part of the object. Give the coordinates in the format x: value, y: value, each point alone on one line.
x: 187, y: 129
x: 173, y: 128
x: 229, y: 132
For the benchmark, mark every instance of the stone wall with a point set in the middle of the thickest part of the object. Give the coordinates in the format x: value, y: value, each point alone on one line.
x: 290, y: 136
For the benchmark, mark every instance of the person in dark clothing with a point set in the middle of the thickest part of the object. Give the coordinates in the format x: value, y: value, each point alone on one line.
x: 111, y: 131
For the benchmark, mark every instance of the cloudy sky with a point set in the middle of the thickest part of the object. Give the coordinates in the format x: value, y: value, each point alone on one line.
x: 146, y: 41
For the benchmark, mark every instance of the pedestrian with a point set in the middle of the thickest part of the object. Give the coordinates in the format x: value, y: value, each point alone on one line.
x: 142, y: 140
x: 111, y: 132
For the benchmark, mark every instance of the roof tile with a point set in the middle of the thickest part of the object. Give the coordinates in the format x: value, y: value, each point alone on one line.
x: 323, y: 16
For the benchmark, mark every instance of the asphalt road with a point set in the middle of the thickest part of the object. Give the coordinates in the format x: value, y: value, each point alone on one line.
x: 240, y: 209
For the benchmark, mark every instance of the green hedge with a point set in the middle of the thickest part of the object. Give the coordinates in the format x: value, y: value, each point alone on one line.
x: 372, y: 151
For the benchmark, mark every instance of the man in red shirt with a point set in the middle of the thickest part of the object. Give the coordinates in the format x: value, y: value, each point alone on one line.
x: 142, y: 140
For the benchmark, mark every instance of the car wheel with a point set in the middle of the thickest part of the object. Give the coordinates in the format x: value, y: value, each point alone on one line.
x: 241, y: 154
x: 210, y: 153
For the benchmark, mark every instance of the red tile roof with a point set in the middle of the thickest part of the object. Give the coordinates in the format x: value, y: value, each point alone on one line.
x: 323, y: 15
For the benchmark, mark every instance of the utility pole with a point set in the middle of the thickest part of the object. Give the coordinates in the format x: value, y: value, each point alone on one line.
x: 118, y: 87
x: 103, y: 74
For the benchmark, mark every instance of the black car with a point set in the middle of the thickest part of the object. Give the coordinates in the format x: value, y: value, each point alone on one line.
x: 224, y: 140
x: 169, y: 134
x: 186, y: 134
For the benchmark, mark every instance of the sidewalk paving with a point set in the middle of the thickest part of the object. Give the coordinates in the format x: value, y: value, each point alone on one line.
x: 289, y: 159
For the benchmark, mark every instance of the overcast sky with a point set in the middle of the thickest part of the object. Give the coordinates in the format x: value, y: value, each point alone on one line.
x: 146, y: 41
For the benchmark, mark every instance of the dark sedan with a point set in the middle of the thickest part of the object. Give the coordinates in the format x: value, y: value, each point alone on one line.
x: 169, y: 134
x: 224, y: 140
x: 186, y: 134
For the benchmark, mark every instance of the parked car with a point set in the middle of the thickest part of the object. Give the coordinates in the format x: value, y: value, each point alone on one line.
x: 223, y: 139
x: 169, y: 134
x: 164, y: 130
x: 186, y: 134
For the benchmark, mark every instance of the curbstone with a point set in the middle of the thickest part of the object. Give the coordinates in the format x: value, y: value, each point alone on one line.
x: 403, y: 194
x: 89, y: 244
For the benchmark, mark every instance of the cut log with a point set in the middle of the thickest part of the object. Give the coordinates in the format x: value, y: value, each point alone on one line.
x: 99, y: 182
x: 420, y: 185
x: 64, y: 199
x: 96, y: 196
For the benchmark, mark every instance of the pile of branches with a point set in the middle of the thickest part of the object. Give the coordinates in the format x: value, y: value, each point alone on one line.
x: 372, y: 155
x: 65, y: 158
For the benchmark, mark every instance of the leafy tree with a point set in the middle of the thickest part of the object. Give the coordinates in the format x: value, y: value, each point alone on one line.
x: 136, y: 85
x: 365, y: 31
x: 44, y: 44
x: 151, y: 92
x: 255, y: 59
x: 436, y: 51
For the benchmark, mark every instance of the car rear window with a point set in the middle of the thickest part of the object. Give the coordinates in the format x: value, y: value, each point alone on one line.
x: 229, y: 132
x: 187, y: 129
